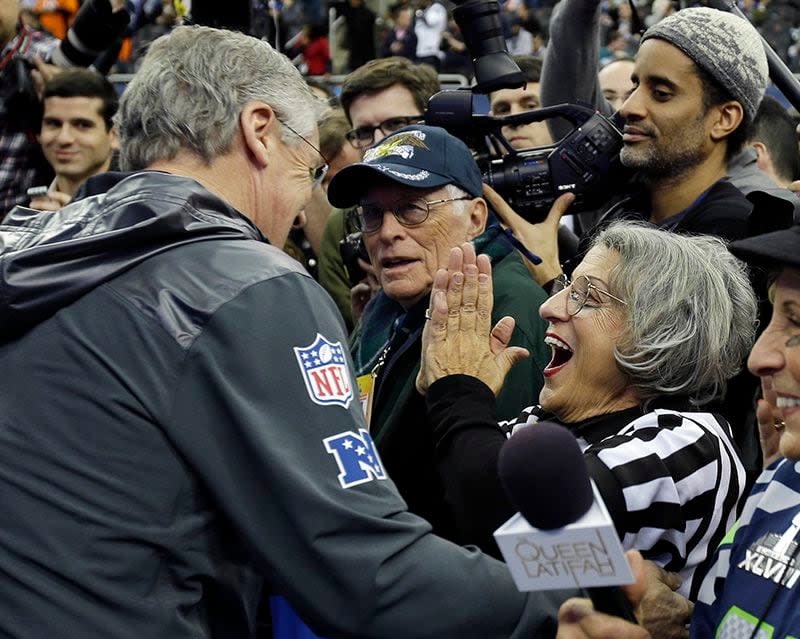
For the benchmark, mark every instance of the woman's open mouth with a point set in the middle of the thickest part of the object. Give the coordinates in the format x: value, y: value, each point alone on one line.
x: 562, y: 353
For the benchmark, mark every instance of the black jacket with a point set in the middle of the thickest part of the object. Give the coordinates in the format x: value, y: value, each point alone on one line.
x: 175, y: 417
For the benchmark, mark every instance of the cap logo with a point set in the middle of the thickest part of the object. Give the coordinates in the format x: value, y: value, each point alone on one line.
x: 402, y: 145
x: 414, y: 177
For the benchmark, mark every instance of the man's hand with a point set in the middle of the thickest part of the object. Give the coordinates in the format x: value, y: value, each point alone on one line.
x: 52, y: 201
x: 661, y: 612
x: 42, y: 74
x: 794, y: 187
x: 540, y: 239
x: 578, y: 620
x: 459, y: 338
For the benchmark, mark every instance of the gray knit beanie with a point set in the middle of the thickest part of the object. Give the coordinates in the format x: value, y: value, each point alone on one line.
x: 724, y: 45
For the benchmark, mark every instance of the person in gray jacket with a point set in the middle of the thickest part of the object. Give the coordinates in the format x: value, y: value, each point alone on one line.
x: 179, y: 422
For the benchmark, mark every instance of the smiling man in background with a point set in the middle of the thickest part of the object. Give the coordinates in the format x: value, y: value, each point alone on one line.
x: 77, y: 134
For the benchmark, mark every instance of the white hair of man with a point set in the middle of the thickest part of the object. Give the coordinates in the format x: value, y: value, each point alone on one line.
x: 453, y: 191
x: 691, y: 311
x: 191, y: 88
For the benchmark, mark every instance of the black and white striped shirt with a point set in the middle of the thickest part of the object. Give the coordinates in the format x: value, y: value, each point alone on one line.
x: 670, y: 480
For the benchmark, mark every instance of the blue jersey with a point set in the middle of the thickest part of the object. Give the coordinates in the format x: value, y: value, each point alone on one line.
x: 754, y: 580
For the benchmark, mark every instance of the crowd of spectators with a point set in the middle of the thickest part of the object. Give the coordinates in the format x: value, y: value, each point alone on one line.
x: 367, y: 30
x: 620, y: 323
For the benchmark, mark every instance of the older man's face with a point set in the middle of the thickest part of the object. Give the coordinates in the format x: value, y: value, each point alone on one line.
x: 615, y: 82
x: 407, y: 258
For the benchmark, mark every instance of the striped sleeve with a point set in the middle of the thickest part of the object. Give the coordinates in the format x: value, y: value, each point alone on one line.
x: 671, y: 482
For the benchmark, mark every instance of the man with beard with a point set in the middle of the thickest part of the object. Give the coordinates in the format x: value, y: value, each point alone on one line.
x: 570, y: 74
x: 699, y: 78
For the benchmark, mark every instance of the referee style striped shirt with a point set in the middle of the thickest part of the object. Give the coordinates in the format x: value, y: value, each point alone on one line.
x: 671, y: 482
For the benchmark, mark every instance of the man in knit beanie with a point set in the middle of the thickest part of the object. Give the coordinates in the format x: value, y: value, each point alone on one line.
x: 723, y: 45
x: 700, y: 76
x: 571, y: 62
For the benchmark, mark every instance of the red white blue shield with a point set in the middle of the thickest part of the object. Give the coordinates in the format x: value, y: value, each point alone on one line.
x: 325, y: 373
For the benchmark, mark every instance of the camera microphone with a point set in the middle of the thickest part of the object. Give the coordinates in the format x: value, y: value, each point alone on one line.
x: 563, y: 535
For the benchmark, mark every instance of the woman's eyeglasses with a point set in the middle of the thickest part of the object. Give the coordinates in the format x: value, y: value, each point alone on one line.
x: 579, y: 291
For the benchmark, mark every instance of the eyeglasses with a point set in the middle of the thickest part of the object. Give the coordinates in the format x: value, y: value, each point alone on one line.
x: 408, y: 213
x: 364, y: 136
x: 315, y: 173
x: 579, y: 292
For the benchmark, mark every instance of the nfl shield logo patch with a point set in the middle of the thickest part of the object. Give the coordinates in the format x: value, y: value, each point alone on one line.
x: 325, y: 373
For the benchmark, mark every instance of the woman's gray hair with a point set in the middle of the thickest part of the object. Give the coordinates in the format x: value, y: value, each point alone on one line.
x: 690, y: 308
x: 191, y: 88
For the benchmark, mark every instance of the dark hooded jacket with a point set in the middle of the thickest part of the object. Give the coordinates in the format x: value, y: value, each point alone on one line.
x: 174, y: 425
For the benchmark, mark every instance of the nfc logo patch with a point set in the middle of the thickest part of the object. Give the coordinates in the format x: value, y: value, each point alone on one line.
x: 325, y: 372
x: 356, y: 456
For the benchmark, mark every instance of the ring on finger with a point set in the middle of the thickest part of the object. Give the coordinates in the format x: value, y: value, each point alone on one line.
x: 427, y: 314
x: 778, y: 424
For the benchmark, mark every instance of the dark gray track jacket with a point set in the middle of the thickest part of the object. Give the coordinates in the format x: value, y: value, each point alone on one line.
x: 178, y: 424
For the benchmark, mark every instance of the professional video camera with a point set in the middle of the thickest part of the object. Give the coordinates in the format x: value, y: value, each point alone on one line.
x: 585, y: 162
x: 352, y: 248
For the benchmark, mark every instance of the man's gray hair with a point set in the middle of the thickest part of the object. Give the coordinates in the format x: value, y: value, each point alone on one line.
x: 691, y: 311
x: 191, y: 88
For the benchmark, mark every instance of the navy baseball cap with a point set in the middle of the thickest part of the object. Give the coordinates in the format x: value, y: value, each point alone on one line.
x: 419, y: 156
x: 774, y: 250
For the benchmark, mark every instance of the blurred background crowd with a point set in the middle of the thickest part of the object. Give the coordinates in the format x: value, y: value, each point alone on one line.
x: 337, y: 37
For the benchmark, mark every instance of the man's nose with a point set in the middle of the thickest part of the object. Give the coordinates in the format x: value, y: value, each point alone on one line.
x: 390, y: 226
x: 633, y: 108
x: 65, y: 135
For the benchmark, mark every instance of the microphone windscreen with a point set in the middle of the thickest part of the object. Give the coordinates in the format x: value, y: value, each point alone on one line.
x: 544, y: 475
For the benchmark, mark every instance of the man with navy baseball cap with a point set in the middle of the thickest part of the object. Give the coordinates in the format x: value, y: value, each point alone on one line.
x: 418, y: 156
x: 418, y: 193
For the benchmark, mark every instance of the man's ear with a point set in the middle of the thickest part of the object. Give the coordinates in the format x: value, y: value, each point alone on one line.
x: 478, y: 214
x: 729, y: 117
x: 113, y: 138
x: 256, y: 121
x: 763, y: 158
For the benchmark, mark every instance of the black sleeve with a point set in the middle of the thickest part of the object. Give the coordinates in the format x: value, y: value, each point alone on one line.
x: 467, y: 439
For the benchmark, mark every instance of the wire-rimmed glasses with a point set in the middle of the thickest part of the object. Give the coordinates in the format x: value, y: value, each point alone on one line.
x: 579, y: 292
x: 411, y: 212
x: 315, y: 173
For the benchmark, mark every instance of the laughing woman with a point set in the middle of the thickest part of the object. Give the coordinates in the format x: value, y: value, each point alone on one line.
x: 650, y: 328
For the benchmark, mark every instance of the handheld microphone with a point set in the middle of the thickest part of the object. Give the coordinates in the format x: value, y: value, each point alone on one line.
x: 563, y: 535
